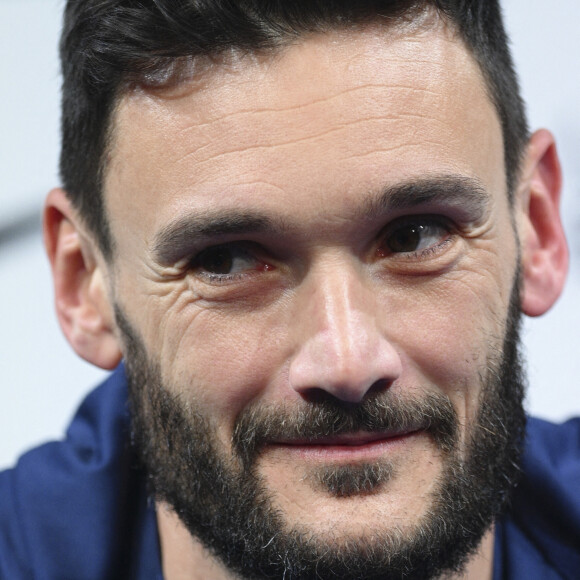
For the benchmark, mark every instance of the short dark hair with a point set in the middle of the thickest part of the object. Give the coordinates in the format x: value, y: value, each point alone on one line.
x: 108, y: 44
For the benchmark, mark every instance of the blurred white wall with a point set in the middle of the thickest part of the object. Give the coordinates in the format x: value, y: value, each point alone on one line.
x: 42, y: 380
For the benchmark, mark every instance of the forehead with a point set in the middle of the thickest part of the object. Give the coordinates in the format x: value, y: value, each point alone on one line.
x: 312, y: 126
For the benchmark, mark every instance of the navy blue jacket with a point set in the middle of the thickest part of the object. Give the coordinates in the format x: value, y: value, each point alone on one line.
x: 78, y: 509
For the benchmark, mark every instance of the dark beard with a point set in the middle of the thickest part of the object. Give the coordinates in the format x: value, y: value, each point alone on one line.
x: 224, y: 503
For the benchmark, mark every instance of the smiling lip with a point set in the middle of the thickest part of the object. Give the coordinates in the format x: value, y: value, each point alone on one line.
x: 352, y: 446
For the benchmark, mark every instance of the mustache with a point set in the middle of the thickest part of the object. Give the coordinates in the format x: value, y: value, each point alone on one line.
x: 382, y: 413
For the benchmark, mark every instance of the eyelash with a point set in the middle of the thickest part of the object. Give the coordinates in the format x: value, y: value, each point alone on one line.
x: 427, y: 253
x: 226, y: 278
x: 236, y: 250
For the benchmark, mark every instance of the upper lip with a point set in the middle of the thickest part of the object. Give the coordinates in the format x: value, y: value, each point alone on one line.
x: 347, y: 439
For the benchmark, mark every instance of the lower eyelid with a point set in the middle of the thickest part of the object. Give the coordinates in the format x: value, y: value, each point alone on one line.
x: 419, y: 256
x: 223, y: 278
x: 434, y: 248
x: 218, y: 279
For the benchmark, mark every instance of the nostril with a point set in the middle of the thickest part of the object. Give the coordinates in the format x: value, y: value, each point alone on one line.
x: 378, y: 387
x: 321, y: 395
x: 316, y: 395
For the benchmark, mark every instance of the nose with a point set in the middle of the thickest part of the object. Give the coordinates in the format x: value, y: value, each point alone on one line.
x: 342, y: 350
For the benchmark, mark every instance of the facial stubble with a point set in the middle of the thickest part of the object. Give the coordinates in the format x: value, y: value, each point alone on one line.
x: 224, y: 502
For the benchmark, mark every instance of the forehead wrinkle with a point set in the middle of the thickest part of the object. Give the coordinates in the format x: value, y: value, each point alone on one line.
x: 263, y: 110
x: 315, y: 135
x: 467, y: 193
x: 302, y: 131
x: 265, y: 146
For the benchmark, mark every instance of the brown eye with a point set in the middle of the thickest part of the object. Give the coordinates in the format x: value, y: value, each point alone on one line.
x: 414, y: 236
x: 218, y: 260
x: 227, y: 260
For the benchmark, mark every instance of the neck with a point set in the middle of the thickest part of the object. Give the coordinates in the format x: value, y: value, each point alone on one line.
x: 184, y: 558
x: 480, y: 565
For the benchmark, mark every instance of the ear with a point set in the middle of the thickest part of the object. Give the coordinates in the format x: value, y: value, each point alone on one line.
x: 80, y: 284
x: 543, y: 243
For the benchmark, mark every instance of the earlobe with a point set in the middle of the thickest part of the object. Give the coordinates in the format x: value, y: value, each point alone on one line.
x: 81, y: 297
x: 543, y: 243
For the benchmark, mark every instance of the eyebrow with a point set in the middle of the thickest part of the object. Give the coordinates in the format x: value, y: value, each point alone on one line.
x: 192, y: 230
x: 464, y: 194
x: 467, y: 194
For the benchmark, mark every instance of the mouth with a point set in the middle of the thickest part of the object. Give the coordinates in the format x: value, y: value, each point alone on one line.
x: 348, y: 447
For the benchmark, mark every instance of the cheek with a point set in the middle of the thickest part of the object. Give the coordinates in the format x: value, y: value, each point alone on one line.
x: 224, y: 360
x: 447, y: 333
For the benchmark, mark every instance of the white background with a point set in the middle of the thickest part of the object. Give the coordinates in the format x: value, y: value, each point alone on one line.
x: 42, y: 380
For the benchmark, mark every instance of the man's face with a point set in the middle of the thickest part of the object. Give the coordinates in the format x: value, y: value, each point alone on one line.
x: 329, y: 225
